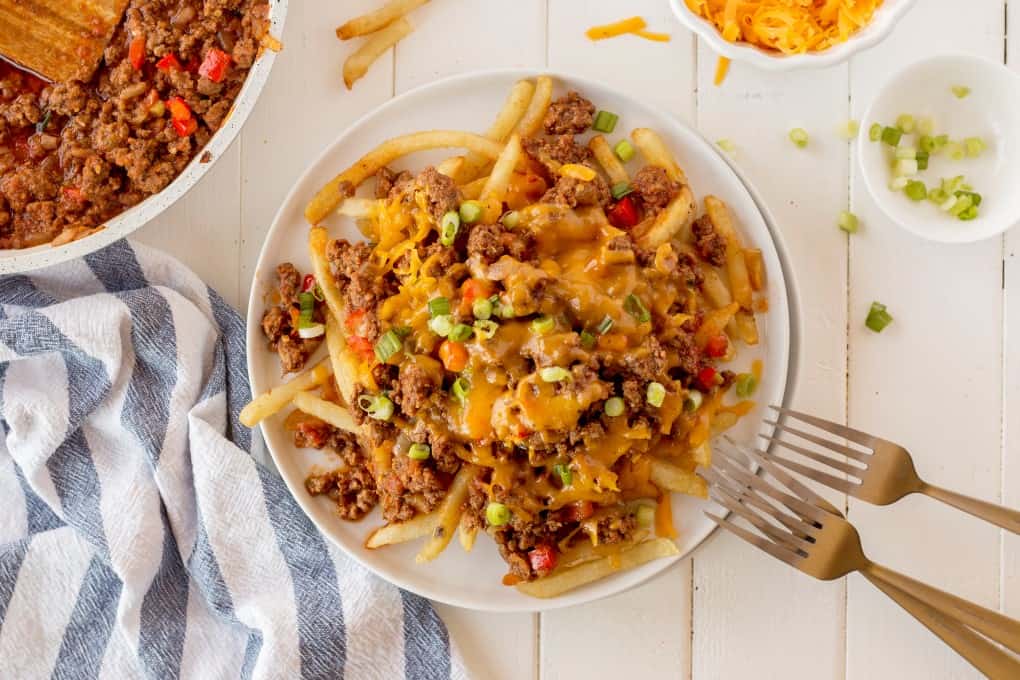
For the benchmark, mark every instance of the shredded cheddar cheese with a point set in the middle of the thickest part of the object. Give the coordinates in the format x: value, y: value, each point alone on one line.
x: 632, y: 26
x: 787, y: 26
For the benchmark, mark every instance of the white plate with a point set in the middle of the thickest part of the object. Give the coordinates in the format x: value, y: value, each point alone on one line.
x: 470, y: 102
x: 27, y: 259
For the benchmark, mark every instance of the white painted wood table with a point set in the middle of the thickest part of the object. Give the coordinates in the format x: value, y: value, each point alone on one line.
x: 943, y: 379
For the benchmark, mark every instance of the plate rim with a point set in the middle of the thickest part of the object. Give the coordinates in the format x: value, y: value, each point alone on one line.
x: 794, y: 321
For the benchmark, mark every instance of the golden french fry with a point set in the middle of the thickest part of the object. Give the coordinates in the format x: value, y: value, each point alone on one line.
x: 608, y: 160
x: 563, y: 581
x: 357, y: 65
x: 317, y: 240
x: 327, y: 411
x: 736, y: 265
x: 714, y: 323
x: 755, y: 268
x: 268, y: 403
x: 380, y: 18
x: 714, y: 288
x: 671, y: 477
x: 450, y: 167
x: 651, y: 146
x: 515, y: 106
x: 333, y: 194
x: 676, y: 217
x: 702, y: 453
x: 723, y: 421
x: 531, y: 122
x: 494, y: 192
x: 747, y: 327
x: 402, y: 532
x: 359, y: 208
x: 466, y: 536
x: 472, y: 190
x: 345, y: 365
x: 449, y: 514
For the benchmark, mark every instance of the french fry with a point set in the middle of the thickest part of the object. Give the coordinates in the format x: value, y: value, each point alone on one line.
x: 318, y: 237
x: 359, y: 208
x: 755, y: 268
x: 268, y: 403
x: 472, y: 190
x: 651, y: 146
x: 671, y: 477
x: 702, y: 454
x: 357, y: 65
x: 451, y: 167
x: 723, y: 421
x: 327, y: 411
x: 608, y: 160
x: 714, y: 288
x: 449, y: 514
x: 676, y: 217
x: 714, y: 323
x: 332, y: 195
x: 402, y: 532
x: 747, y: 327
x: 736, y: 265
x: 563, y: 581
x: 531, y: 122
x: 380, y: 18
x: 494, y: 192
x: 466, y: 536
x: 345, y: 366
x: 515, y: 106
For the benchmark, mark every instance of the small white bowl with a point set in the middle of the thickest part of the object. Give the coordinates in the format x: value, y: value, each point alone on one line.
x: 882, y: 23
x: 991, y: 111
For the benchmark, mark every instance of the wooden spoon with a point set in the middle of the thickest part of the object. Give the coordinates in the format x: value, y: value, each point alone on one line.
x: 58, y: 39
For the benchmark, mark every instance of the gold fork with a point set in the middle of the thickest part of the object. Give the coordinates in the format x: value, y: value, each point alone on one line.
x: 885, y: 472
x: 808, y: 533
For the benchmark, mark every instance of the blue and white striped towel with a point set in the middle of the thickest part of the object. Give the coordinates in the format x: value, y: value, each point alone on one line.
x: 138, y: 536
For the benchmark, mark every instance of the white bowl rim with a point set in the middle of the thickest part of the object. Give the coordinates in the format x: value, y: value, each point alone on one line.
x: 134, y: 218
x: 751, y: 54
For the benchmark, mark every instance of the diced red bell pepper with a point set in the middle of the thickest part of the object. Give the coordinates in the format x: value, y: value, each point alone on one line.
x: 180, y: 116
x: 308, y: 283
x: 185, y: 128
x: 717, y: 346
x: 72, y: 194
x: 19, y: 145
x: 170, y: 62
x: 362, y: 346
x: 136, y: 53
x: 215, y: 64
x: 542, y: 559
x: 473, y: 289
x: 708, y: 377
x: 624, y: 214
x: 353, y: 320
x: 577, y: 512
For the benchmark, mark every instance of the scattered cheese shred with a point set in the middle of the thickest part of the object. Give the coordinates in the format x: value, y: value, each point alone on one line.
x: 632, y: 26
x: 721, y: 69
x: 787, y: 26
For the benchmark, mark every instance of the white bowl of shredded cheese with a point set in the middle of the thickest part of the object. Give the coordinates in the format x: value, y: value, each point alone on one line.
x: 764, y: 20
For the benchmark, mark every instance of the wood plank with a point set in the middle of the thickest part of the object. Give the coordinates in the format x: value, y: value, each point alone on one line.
x: 1010, y: 595
x: 788, y: 624
x: 932, y: 381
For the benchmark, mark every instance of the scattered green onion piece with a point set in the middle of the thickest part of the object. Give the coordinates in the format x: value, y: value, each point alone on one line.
x: 905, y: 153
x: 948, y: 204
x: 587, y: 340
x: 633, y: 306
x: 848, y: 222
x: 969, y: 214
x: 497, y: 514
x: 891, y: 136
x: 624, y: 150
x: 937, y: 195
x: 925, y: 125
x: 564, y: 473
x: 940, y: 142
x: 504, y: 311
x: 419, y: 452
x: 318, y: 294
x: 441, y: 325
x: 953, y: 184
x: 878, y: 317
x: 449, y: 227
x: 402, y: 331
x: 378, y: 407
x: 922, y: 160
x: 614, y: 407
x: 962, y: 203
x: 849, y: 129
x: 960, y: 91
x: 543, y: 325
x: 905, y: 167
x: 314, y: 330
x: 645, y: 516
x: 745, y: 385
x: 727, y: 145
x: 799, y: 136
x: 551, y: 374
x: 605, y: 121
x: 620, y: 189
x: 905, y: 122
x: 461, y: 332
x: 307, y: 316
x: 482, y: 309
x: 899, y: 183
x: 926, y: 144
x: 975, y: 146
x: 655, y: 394
x: 460, y: 388
x: 470, y: 212
x: 693, y: 400
x: 511, y: 219
x: 956, y: 151
x: 40, y: 127
x: 605, y: 325
x: 439, y: 306
x: 916, y: 190
x: 974, y: 196
x: 875, y: 132
x: 388, y: 345
x: 486, y: 329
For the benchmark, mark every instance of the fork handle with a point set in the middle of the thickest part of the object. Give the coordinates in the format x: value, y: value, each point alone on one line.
x: 990, y: 512
x: 981, y: 653
x: 992, y: 624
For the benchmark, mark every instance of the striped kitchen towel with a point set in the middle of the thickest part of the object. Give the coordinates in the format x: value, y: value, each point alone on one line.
x: 138, y: 536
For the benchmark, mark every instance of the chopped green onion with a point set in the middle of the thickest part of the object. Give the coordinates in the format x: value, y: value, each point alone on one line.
x: 497, y: 514
x: 905, y: 167
x: 461, y: 332
x: 419, y: 452
x: 441, y: 325
x: 953, y: 184
x: 848, y: 222
x: 624, y: 150
x: 388, y: 345
x: 587, y: 340
x: 974, y: 197
x: 402, y: 331
x: 614, y: 407
x: 975, y: 146
x: 891, y: 136
x: 960, y: 91
x: 905, y: 122
x: 439, y: 306
x: 956, y: 151
x: 727, y: 145
x: 940, y: 142
x: 922, y: 160
x: 656, y: 394
x: 875, y: 132
x: 552, y: 374
x: 378, y: 407
x: 925, y: 125
x: 40, y: 127
x: 632, y: 305
x: 605, y: 325
x: 470, y: 212
x: 511, y: 219
x: 969, y: 214
x: 482, y: 308
x: 460, y: 388
x: 543, y: 325
x: 605, y: 121
x: 905, y: 153
x: 693, y: 400
x: 486, y: 329
x: 799, y: 136
x: 937, y: 195
x: 314, y: 331
x: 307, y: 316
x: 948, y: 204
x: 926, y: 144
x: 849, y: 129
x: 962, y: 203
x: 449, y: 227
x: 564, y: 473
x: 318, y: 294
x: 504, y: 311
x: 745, y: 385
x: 878, y: 317
x: 916, y: 190
x: 899, y: 183
x: 620, y: 189
x: 645, y: 515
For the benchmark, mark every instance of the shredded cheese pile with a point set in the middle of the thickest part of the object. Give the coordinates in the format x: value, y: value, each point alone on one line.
x: 787, y: 26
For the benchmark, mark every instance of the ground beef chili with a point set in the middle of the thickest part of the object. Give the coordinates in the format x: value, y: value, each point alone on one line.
x: 73, y: 155
x: 278, y: 321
